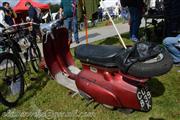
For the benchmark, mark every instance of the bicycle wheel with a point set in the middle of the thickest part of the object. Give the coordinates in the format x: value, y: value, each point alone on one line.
x: 11, y: 80
x: 35, y: 57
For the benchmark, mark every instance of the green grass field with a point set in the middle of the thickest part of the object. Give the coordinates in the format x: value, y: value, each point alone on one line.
x: 45, y: 99
x: 104, y: 23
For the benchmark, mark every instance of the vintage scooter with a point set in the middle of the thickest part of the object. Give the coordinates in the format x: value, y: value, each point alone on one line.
x: 110, y: 75
x: 115, y: 77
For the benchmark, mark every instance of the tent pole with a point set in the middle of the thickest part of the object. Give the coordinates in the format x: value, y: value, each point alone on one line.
x: 86, y: 27
x: 120, y: 37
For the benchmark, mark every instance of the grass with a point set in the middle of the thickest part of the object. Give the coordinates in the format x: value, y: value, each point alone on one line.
x: 105, y: 23
x: 45, y: 99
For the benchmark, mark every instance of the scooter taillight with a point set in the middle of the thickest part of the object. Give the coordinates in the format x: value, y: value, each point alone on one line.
x: 145, y: 99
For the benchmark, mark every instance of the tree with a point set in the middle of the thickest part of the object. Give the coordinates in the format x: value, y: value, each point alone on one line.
x: 87, y: 6
x: 54, y: 7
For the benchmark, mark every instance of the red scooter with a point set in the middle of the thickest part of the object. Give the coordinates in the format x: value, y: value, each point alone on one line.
x: 110, y: 75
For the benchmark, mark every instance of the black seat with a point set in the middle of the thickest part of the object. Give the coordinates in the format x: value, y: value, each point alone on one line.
x: 100, y: 55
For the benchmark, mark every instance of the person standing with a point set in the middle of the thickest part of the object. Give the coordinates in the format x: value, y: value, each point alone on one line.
x: 136, y: 11
x: 68, y: 11
x: 116, y: 10
x: 3, y: 23
x: 100, y: 13
x: 75, y: 21
x: 172, y: 17
x: 10, y: 15
x: 33, y: 15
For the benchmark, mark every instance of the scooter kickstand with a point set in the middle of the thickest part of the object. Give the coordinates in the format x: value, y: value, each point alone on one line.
x: 96, y: 105
x: 74, y: 94
x: 90, y: 102
x: 82, y: 99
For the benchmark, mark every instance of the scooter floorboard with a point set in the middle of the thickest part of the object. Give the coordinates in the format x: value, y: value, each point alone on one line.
x: 66, y: 82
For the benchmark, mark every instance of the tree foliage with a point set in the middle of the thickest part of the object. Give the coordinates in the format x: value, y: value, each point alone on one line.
x: 54, y: 7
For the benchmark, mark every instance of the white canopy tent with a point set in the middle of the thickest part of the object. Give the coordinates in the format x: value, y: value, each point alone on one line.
x: 110, y: 3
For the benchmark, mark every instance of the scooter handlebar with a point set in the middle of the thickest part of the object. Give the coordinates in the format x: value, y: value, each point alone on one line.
x: 47, y: 27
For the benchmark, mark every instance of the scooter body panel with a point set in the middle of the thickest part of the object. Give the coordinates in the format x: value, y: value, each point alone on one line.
x: 98, y: 85
x: 105, y: 85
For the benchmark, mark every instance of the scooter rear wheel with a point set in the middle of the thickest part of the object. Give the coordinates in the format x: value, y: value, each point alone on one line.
x: 154, y: 67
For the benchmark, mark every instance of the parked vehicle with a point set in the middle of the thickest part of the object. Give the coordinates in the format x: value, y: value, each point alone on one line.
x: 110, y: 75
x: 19, y: 49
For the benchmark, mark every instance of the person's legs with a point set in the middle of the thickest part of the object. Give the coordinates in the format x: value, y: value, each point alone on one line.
x: 34, y: 34
x: 38, y: 36
x: 134, y: 23
x: 169, y: 44
x: 137, y: 22
x: 68, y: 25
x: 75, y: 29
x: 131, y: 11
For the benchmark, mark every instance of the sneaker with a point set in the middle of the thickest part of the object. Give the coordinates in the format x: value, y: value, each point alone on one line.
x: 77, y: 42
x: 134, y: 38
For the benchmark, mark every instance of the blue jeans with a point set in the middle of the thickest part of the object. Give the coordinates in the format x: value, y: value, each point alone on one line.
x: 75, y: 29
x: 72, y: 23
x: 169, y: 44
x: 135, y: 21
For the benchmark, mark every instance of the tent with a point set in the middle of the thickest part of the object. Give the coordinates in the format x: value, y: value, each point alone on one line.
x: 20, y: 6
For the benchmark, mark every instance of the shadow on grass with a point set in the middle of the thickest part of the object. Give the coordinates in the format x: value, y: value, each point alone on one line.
x: 151, y: 118
x: 126, y: 35
x: 31, y: 90
x: 156, y: 87
x: 115, y: 40
x: 34, y: 87
x: 89, y: 36
x: 109, y: 41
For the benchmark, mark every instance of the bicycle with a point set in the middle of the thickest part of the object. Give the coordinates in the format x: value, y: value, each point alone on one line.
x: 32, y: 52
x: 12, y: 85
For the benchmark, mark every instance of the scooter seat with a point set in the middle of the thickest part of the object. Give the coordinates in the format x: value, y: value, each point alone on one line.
x: 104, y: 55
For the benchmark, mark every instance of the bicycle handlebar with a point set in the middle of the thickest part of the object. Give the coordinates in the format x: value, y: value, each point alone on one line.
x: 14, y: 28
x: 22, y: 24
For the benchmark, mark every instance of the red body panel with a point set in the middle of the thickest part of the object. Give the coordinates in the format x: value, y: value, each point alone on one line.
x: 99, y: 94
x: 105, y: 85
x: 125, y: 93
x: 57, y: 52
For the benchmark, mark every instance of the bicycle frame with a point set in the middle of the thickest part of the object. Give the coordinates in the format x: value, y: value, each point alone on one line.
x: 22, y: 31
x: 12, y: 45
